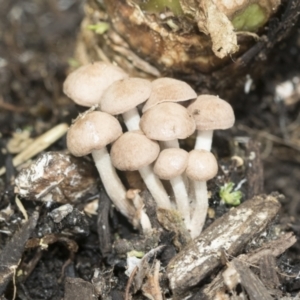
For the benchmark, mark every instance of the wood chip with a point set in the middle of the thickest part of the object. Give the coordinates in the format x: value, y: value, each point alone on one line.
x: 78, y: 289
x: 250, y: 282
x: 274, y: 248
x: 230, y: 233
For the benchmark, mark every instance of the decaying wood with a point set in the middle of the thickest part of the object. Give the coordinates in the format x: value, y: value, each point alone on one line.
x: 230, y: 233
x: 255, y: 56
x: 249, y: 281
x: 78, y: 289
x: 268, y: 274
x: 272, y: 248
x: 12, y: 253
x: 143, y: 46
x: 255, y: 174
x: 103, y: 227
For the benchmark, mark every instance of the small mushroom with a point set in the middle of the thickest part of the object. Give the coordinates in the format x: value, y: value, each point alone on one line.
x: 86, y: 84
x: 170, y: 164
x: 169, y: 90
x: 134, y: 151
x: 90, y: 133
x: 123, y: 96
x: 167, y: 122
x: 202, y: 166
x: 210, y: 113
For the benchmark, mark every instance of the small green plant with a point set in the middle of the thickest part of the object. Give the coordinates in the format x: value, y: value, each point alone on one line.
x: 99, y: 28
x: 229, y: 196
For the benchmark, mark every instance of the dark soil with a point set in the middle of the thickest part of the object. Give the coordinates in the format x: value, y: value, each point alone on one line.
x: 37, y: 40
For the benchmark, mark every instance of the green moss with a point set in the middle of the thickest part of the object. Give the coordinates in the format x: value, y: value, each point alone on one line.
x: 158, y: 6
x: 252, y: 18
x: 229, y: 196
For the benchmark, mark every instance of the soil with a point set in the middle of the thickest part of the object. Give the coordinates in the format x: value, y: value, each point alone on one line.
x: 37, y: 39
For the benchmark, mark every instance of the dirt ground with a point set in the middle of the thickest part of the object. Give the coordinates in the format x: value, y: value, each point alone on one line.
x: 37, y: 40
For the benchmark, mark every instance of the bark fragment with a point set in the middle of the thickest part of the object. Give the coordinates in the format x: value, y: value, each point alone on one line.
x: 230, y: 233
x: 77, y: 289
x: 271, y: 249
x: 255, y: 174
x: 253, y: 286
x: 103, y: 227
x: 13, y: 251
x: 212, y: 21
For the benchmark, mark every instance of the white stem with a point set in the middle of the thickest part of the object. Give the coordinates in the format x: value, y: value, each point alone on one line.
x: 200, y: 208
x: 169, y: 144
x: 204, y: 140
x: 145, y: 222
x: 182, y: 198
x: 155, y: 187
x: 112, y: 183
x: 131, y: 119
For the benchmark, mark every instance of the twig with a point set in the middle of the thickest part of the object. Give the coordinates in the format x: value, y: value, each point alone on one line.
x: 39, y: 144
x: 129, y: 283
x: 268, y: 136
x: 10, y: 107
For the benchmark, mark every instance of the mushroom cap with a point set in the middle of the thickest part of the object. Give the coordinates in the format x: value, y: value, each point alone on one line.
x: 92, y: 131
x: 167, y: 121
x: 124, y: 95
x: 169, y: 90
x: 86, y: 84
x: 133, y: 150
x: 211, y: 112
x: 171, y: 163
x: 202, y: 165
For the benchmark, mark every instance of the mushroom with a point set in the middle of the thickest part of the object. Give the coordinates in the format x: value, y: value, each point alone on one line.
x: 86, y: 84
x: 167, y: 122
x: 169, y: 90
x: 90, y: 133
x: 202, y: 166
x: 210, y: 113
x: 170, y: 164
x: 123, y: 96
x: 134, y: 151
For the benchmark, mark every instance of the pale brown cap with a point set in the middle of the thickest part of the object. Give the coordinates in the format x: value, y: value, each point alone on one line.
x: 86, y: 84
x: 132, y: 151
x: 211, y: 113
x: 202, y: 165
x: 171, y: 163
x: 167, y: 121
x: 124, y: 95
x: 169, y: 90
x: 92, y: 131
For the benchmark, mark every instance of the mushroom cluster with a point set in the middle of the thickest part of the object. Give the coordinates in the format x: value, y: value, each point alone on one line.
x: 157, y: 115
